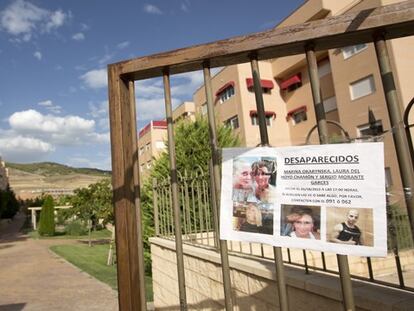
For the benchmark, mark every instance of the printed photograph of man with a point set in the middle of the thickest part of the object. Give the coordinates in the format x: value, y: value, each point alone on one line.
x: 350, y: 226
x: 300, y: 221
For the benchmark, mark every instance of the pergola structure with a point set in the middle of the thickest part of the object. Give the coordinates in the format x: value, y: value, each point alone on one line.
x: 39, y: 208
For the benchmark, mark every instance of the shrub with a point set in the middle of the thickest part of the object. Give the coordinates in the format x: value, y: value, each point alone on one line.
x: 47, y: 217
x: 76, y: 228
x: 9, y: 205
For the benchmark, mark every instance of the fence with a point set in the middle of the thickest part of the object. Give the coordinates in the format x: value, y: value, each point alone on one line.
x: 196, y: 217
x: 373, y: 25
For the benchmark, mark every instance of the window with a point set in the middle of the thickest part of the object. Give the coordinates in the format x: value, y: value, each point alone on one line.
x: 370, y: 129
x: 255, y: 120
x: 147, y: 146
x: 226, y: 94
x: 141, y: 168
x: 141, y: 150
x: 267, y: 85
x: 363, y: 87
x: 160, y: 144
x: 297, y: 115
x: 388, y: 177
x: 349, y: 51
x: 329, y: 104
x: 204, y: 109
x: 233, y: 122
x: 324, y: 68
x: 149, y: 164
x: 292, y: 83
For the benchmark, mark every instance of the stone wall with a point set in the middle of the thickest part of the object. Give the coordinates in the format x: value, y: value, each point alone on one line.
x: 253, y: 285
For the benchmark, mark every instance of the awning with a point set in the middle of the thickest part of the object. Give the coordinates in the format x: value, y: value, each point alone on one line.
x: 266, y: 84
x: 267, y: 113
x: 291, y: 81
x: 290, y: 112
x: 225, y: 86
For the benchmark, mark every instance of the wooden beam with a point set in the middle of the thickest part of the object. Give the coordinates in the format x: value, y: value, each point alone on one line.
x: 397, y: 20
x: 122, y: 129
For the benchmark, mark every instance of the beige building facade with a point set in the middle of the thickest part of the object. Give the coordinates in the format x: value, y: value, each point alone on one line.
x: 152, y: 137
x: 350, y: 85
x: 4, y: 175
x: 151, y: 142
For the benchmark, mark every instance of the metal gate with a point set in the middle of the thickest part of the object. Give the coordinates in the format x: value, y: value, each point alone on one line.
x: 374, y: 25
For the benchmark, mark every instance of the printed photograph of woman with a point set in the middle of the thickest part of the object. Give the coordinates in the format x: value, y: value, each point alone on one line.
x: 249, y: 218
x: 301, y: 221
x: 243, y: 189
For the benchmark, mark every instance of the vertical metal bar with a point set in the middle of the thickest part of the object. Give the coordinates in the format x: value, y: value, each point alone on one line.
x: 395, y: 114
x: 187, y: 207
x: 317, y: 96
x: 214, y: 201
x: 174, y: 191
x: 343, y: 265
x: 305, y: 261
x: 169, y: 211
x: 163, y: 215
x: 394, y: 243
x: 183, y: 184
x: 200, y: 211
x: 370, y: 271
x: 194, y: 207
x: 155, y: 203
x: 258, y: 93
x: 323, y: 261
x: 225, y: 266
x: 138, y: 216
x: 264, y: 140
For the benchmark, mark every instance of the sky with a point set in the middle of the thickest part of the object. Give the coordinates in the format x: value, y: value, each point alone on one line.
x: 54, y: 55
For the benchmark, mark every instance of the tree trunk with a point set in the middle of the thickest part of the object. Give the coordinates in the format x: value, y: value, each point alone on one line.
x: 90, y: 232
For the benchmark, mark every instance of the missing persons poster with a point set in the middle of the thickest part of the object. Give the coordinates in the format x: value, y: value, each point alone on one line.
x: 328, y: 198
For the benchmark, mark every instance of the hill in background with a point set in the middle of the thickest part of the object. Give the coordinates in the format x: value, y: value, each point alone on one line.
x: 51, y: 168
x: 33, y: 179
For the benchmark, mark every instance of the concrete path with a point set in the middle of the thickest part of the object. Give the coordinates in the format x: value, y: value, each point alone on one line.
x: 32, y: 278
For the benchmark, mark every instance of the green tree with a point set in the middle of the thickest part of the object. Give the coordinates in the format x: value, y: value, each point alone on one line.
x: 93, y: 203
x: 9, y: 204
x: 192, y: 145
x: 47, y: 217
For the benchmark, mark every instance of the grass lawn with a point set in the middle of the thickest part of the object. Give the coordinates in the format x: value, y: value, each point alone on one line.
x: 92, y: 260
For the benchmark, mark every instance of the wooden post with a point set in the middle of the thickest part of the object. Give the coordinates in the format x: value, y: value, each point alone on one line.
x: 123, y: 192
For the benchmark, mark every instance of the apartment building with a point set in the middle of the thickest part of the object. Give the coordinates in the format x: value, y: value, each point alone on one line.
x: 152, y: 137
x: 4, y: 175
x: 350, y: 85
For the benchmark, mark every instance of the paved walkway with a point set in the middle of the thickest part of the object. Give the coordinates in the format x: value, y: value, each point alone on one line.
x: 32, y: 278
